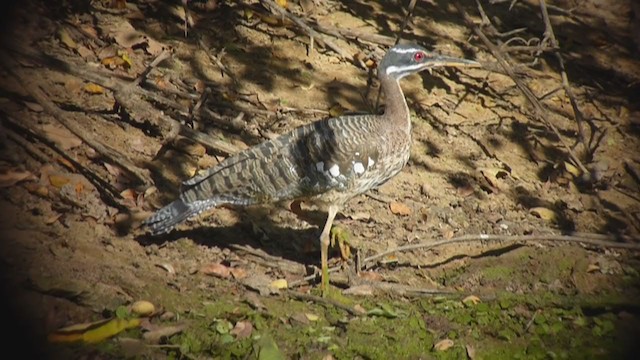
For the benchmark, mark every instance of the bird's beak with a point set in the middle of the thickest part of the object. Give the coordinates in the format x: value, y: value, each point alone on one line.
x: 441, y: 60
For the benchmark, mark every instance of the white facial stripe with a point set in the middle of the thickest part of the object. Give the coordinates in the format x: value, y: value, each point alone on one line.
x: 405, y: 50
x: 403, y: 69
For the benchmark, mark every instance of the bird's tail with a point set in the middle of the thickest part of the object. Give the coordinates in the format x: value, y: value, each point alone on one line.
x: 173, y: 214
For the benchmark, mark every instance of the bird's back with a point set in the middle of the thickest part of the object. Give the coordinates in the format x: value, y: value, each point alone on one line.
x: 328, y: 161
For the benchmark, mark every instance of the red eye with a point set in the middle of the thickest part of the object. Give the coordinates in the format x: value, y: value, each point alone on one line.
x: 419, y: 56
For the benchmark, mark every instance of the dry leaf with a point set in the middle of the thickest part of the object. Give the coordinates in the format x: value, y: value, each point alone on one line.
x: 94, y: 89
x: 471, y: 300
x: 143, y: 308
x: 51, y: 219
x: 217, y: 270
x: 312, y: 317
x: 443, y: 345
x: 154, y: 336
x: 242, y: 330
x: 398, y: 208
x: 279, y: 284
x: 572, y: 169
x: 61, y: 136
x: 13, y: 176
x: 35, y: 107
x: 238, y: 273
x: 493, y: 174
x: 282, y: 3
x: 544, y: 213
x: 359, y: 290
x: 58, y: 181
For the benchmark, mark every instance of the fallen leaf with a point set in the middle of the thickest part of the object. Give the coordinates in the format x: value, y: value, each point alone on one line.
x: 443, y: 345
x: 242, y: 330
x: 51, y: 219
x: 282, y: 3
x: 572, y: 169
x: 93, y: 89
x: 493, y: 174
x: 238, y: 273
x: 398, y: 208
x: 143, y: 308
x: 13, y: 176
x: 35, y: 107
x: 217, y: 270
x: 61, y: 136
x: 93, y: 332
x: 544, y: 213
x: 471, y: 300
x: 279, y: 284
x: 471, y: 352
x: 58, y: 181
x: 156, y: 335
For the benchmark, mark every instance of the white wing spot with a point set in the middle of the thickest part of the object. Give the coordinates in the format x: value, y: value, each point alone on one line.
x: 334, y: 170
x: 358, y: 168
x: 370, y: 163
x: 357, y: 153
x: 320, y: 166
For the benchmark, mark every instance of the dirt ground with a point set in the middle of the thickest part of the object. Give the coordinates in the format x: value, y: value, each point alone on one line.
x: 543, y: 258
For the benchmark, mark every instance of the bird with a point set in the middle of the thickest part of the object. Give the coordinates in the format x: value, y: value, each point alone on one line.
x: 324, y: 163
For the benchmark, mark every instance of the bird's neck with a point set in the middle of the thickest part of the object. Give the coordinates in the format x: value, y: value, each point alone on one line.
x: 396, y: 110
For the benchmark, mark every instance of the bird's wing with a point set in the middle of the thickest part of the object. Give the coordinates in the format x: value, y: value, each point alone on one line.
x: 310, y: 160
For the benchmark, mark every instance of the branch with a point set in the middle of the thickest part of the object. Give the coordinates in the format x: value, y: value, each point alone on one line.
x: 597, y: 240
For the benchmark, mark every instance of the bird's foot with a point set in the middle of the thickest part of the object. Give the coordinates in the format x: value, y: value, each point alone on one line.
x: 342, y: 236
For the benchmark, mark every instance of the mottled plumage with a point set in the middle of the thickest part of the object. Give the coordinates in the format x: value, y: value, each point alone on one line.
x: 327, y: 162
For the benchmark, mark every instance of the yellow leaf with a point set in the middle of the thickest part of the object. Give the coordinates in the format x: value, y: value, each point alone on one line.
x: 282, y: 3
x: 143, y: 308
x: 94, y: 89
x: 572, y: 169
x: 58, y: 180
x: 471, y: 300
x: 279, y: 284
x: 93, y: 332
x: 543, y: 213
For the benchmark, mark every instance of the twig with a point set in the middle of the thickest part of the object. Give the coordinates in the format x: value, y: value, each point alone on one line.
x: 107, y: 191
x: 354, y: 34
x: 323, y: 301
x: 581, y: 238
x: 311, y: 32
x: 549, y: 34
x: 62, y: 117
x: 539, y: 110
x: 165, y: 54
x: 410, y: 8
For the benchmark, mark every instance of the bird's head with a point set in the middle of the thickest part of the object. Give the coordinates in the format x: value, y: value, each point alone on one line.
x: 406, y: 59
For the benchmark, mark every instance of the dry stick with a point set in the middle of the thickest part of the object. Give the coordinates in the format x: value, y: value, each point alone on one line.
x: 312, y: 33
x: 539, y: 110
x: 104, y: 188
x: 582, y: 239
x: 354, y: 34
x: 563, y: 73
x: 165, y: 54
x: 62, y: 117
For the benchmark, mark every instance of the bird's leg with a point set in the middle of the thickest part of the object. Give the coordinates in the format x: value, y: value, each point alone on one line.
x: 325, y: 239
x: 342, y: 237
